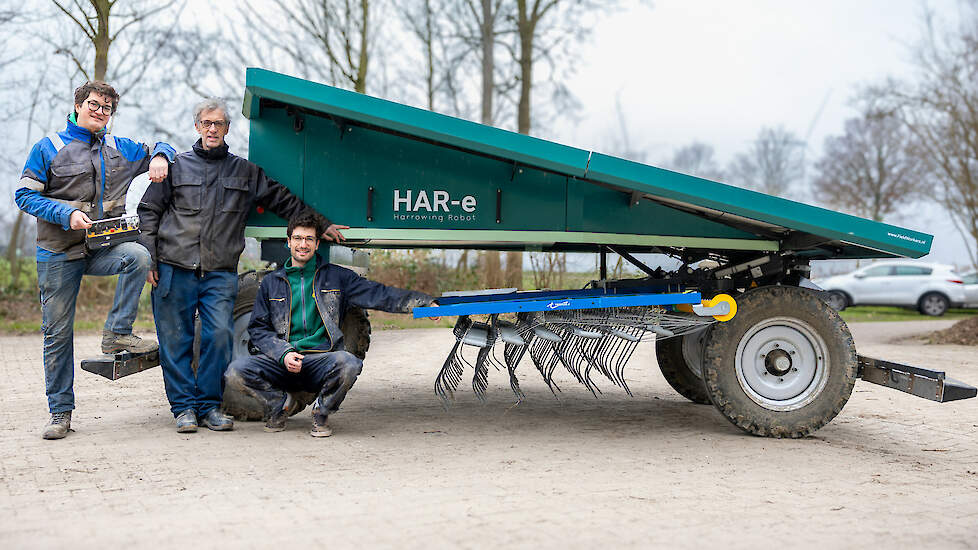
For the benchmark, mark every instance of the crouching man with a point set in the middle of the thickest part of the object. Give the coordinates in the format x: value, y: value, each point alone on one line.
x: 296, y: 324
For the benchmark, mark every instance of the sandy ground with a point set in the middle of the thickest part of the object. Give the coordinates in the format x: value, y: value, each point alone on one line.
x: 892, y: 471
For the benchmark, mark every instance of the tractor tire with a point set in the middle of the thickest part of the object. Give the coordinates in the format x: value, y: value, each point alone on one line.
x: 355, y: 326
x: 784, y: 366
x: 681, y: 361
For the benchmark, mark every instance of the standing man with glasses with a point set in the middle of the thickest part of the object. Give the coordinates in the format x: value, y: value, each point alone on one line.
x: 193, y: 225
x: 71, y: 178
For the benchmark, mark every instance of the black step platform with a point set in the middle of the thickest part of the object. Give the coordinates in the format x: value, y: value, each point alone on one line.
x: 122, y: 364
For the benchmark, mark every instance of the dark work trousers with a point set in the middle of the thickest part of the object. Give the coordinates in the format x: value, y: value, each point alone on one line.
x: 329, y: 375
x: 179, y: 294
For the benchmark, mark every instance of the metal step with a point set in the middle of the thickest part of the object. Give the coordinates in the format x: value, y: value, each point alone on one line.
x: 122, y: 364
x: 929, y: 384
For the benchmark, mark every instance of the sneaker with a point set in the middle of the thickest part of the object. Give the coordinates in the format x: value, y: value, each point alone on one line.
x: 276, y: 420
x: 114, y: 343
x: 320, y: 428
x: 218, y: 421
x: 58, y: 426
x: 187, y: 421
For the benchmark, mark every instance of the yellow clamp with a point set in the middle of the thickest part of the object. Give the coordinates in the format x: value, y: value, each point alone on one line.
x: 718, y: 299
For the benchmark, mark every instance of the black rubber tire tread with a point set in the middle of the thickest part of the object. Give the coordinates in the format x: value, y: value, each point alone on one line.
x: 719, y: 370
x: 355, y: 326
x: 672, y: 363
x: 920, y: 304
x: 356, y: 335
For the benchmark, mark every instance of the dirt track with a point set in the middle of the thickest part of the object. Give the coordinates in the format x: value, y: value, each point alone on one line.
x: 891, y: 471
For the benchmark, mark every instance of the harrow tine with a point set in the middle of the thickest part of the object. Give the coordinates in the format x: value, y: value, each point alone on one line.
x: 485, y: 335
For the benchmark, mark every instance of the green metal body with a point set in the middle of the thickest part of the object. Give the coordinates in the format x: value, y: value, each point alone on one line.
x: 406, y: 177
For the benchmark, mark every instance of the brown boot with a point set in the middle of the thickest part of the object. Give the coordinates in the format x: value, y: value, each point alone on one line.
x: 320, y: 427
x: 114, y: 343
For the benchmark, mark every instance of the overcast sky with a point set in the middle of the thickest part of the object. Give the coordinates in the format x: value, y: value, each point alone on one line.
x: 717, y: 71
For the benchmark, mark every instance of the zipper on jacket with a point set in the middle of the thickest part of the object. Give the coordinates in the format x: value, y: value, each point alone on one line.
x: 302, y: 297
x: 288, y: 318
x: 315, y: 299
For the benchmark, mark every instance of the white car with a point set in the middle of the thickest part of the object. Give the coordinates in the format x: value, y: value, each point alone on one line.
x: 930, y: 288
x: 970, y: 288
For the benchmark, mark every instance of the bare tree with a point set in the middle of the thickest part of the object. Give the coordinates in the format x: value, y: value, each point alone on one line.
x: 872, y: 169
x: 326, y: 40
x: 100, y: 24
x: 772, y: 165
x: 940, y: 107
x: 696, y: 159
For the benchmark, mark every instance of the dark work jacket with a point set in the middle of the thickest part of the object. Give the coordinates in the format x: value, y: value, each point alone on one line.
x: 336, y: 288
x: 195, y: 218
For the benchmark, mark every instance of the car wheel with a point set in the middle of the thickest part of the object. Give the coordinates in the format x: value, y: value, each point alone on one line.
x: 933, y: 304
x: 836, y: 300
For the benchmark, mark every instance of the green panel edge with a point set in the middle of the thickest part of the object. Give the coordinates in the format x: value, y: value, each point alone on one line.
x: 530, y: 237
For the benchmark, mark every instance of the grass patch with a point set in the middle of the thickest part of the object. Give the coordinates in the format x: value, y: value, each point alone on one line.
x: 862, y: 314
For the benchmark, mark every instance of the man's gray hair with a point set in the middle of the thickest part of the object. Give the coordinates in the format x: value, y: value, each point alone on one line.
x: 210, y: 104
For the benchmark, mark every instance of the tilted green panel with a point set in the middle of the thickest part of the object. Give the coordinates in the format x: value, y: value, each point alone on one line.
x: 597, y: 209
x: 758, y: 206
x: 280, y: 151
x: 412, y: 121
x: 437, y: 187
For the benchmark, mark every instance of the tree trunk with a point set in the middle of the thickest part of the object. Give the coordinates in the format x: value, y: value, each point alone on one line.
x: 488, y: 60
x: 102, y: 40
x: 361, y: 83
x: 13, y: 258
x: 430, y: 47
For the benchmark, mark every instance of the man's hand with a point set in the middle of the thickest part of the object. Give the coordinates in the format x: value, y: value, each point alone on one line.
x: 332, y: 233
x: 435, y: 319
x: 79, y: 220
x: 158, y: 168
x: 153, y: 277
x: 293, y: 361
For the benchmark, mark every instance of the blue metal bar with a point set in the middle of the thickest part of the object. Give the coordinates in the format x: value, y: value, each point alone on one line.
x: 557, y: 304
x: 543, y: 294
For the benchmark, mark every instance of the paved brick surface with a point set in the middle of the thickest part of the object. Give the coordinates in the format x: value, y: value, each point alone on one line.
x: 890, y: 471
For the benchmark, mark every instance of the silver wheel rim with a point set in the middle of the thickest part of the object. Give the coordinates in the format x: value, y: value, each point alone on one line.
x: 836, y: 301
x: 694, y: 346
x: 933, y: 304
x: 782, y: 364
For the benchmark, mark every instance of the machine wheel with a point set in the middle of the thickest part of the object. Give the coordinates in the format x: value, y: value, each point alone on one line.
x: 355, y: 327
x: 837, y: 300
x: 934, y: 304
x: 681, y: 362
x: 784, y: 366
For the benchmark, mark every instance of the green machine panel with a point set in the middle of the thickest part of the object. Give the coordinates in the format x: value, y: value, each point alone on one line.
x: 372, y: 179
x: 402, y: 176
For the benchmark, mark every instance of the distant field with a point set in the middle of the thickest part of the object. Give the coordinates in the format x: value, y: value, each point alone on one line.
x: 861, y: 314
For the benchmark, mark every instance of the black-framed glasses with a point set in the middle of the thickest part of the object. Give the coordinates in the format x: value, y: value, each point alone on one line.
x: 219, y: 124
x: 299, y: 239
x: 95, y: 106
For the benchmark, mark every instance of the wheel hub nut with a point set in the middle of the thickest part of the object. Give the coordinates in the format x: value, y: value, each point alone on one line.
x: 777, y: 362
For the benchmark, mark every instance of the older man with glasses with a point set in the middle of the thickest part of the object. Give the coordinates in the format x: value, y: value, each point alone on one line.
x: 193, y: 225
x: 72, y: 178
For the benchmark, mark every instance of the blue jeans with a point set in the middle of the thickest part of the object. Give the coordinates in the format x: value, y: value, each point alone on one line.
x: 59, y: 282
x: 179, y: 294
x: 330, y: 375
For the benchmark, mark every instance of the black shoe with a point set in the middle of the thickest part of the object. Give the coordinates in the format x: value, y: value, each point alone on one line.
x: 280, y: 414
x: 187, y: 421
x: 217, y: 421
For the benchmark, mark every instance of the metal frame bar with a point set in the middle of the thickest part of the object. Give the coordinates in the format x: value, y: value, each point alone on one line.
x: 557, y: 304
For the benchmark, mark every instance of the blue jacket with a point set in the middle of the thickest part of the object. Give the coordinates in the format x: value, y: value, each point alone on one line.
x: 336, y: 288
x: 75, y: 169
